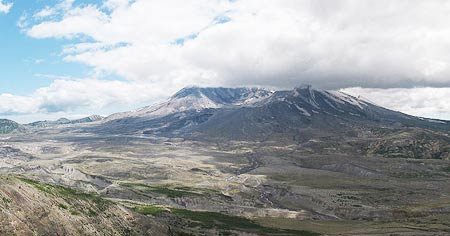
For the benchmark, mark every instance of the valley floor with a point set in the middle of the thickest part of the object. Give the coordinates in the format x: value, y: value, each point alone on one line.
x: 72, y: 183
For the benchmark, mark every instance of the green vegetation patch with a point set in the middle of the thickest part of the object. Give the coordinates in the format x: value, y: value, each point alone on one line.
x: 46, y: 188
x: 74, y: 212
x: 62, y: 206
x: 357, y: 227
x: 69, y: 194
x: 149, y: 210
x: 5, y: 200
x: 208, y: 220
x: 176, y: 192
x: 214, y: 220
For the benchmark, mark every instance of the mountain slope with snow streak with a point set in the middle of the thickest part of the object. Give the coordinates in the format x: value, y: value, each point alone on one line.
x: 249, y: 113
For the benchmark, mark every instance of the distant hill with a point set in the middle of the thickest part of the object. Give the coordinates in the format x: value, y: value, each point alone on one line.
x: 8, y: 126
x: 65, y: 121
x: 88, y: 119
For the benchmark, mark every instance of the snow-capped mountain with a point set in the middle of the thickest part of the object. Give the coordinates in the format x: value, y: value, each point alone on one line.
x: 309, y: 101
x: 195, y: 98
x: 249, y: 113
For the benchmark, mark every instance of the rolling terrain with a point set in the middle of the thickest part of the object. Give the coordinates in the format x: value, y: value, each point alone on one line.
x: 224, y: 161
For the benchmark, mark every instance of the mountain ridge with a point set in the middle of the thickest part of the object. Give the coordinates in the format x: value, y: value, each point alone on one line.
x: 65, y: 121
x: 197, y: 98
x: 246, y: 113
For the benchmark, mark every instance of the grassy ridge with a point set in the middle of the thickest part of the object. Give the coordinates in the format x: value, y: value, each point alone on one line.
x: 70, y: 195
x: 218, y: 221
x: 199, y: 220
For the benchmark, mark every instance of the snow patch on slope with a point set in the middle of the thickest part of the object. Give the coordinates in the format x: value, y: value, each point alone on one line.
x: 302, y: 110
x: 343, y: 98
x: 194, y: 98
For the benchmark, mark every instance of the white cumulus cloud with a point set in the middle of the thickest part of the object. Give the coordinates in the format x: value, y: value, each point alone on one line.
x: 5, y: 7
x: 73, y: 95
x: 168, y: 44
x: 262, y: 42
x: 424, y: 102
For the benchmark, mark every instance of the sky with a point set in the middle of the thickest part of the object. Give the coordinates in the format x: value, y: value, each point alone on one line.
x: 72, y: 58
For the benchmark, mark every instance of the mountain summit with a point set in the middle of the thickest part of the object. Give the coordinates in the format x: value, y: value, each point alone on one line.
x: 196, y: 98
x: 253, y: 113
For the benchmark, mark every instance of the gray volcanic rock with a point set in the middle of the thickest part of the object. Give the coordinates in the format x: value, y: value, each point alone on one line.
x: 257, y: 114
